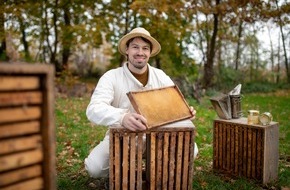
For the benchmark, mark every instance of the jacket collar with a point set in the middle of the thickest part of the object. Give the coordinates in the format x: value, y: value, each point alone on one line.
x: 130, y: 75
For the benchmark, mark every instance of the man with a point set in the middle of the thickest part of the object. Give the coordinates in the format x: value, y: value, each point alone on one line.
x: 109, y: 103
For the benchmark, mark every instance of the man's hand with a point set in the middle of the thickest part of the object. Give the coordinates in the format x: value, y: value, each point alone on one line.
x: 134, y: 122
x: 193, y: 111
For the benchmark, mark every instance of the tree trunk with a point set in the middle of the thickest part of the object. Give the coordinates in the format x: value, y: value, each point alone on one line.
x: 238, y: 45
x: 52, y: 47
x: 271, y: 54
x: 124, y: 58
x: 24, y: 40
x: 284, y: 47
x: 67, y: 38
x: 285, y: 54
x: 278, y: 64
x: 208, y: 67
x: 3, y: 55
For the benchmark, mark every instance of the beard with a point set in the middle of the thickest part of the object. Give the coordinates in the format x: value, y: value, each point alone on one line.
x: 138, y: 64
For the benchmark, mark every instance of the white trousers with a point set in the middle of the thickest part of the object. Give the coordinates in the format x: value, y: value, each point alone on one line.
x: 97, y: 163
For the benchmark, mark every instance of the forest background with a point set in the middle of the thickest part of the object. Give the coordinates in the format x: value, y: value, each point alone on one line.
x: 205, y: 44
x: 208, y: 46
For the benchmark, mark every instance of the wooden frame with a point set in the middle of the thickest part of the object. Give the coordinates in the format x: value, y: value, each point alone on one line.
x: 27, y: 129
x: 160, y: 106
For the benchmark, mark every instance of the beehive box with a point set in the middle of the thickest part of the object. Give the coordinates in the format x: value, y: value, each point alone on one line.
x: 251, y: 151
x: 27, y: 136
x: 167, y: 163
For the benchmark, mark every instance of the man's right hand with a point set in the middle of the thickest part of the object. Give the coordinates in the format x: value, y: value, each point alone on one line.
x: 134, y: 122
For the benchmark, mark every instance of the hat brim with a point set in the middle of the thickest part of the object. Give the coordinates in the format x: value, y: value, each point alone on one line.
x: 122, y: 43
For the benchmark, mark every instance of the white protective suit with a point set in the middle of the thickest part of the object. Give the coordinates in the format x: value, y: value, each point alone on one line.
x: 109, y: 103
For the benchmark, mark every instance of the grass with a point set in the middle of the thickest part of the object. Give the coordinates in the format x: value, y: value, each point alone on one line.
x: 76, y: 136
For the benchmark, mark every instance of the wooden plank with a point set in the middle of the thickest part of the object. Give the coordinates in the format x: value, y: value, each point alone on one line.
x: 32, y: 184
x: 271, y: 154
x: 228, y: 146
x: 20, y: 98
x: 20, y: 68
x: 153, y: 161
x: 215, y: 145
x: 20, y: 175
x: 185, y: 165
x: 165, y: 161
x: 249, y: 149
x: 19, y: 114
x: 111, y: 161
x: 254, y: 153
x: 241, y: 149
x: 17, y: 129
x: 260, y: 135
x: 17, y: 160
x: 133, y: 160
x: 117, y: 161
x: 263, y: 156
x: 147, y: 157
x: 20, y: 144
x: 172, y: 165
x: 220, y: 144
x: 179, y: 160
x: 224, y: 145
x: 232, y: 144
x: 139, y: 160
x: 125, y: 159
x: 245, y: 154
x: 191, y: 159
x: 48, y: 127
x: 237, y: 149
x: 19, y: 83
x: 159, y: 162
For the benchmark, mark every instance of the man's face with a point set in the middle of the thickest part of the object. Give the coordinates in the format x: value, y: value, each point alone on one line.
x: 138, y: 53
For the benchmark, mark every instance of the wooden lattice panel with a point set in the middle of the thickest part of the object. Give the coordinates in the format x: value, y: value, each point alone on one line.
x: 160, y: 106
x: 27, y: 139
x: 246, y: 150
x: 168, y: 163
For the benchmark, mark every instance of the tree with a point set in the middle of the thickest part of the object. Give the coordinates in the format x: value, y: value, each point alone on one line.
x: 3, y: 55
x: 281, y: 24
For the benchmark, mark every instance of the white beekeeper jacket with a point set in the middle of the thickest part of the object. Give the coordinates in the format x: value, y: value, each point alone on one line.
x: 109, y: 102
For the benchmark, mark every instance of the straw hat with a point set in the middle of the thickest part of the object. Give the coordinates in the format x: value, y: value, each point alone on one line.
x: 139, y: 32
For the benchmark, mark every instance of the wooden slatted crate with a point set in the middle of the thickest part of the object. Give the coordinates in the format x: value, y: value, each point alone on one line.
x: 27, y: 136
x: 246, y: 150
x: 168, y: 160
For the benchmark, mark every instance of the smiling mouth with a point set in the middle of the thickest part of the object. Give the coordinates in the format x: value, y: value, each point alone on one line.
x: 139, y: 59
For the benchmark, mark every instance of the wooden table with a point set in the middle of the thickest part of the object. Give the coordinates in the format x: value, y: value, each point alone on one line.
x: 168, y: 160
x: 251, y: 151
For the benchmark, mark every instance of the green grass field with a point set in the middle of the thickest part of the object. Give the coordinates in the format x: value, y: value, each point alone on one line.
x: 76, y: 136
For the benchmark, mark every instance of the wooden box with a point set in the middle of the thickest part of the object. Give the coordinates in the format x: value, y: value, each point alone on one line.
x: 27, y: 136
x: 168, y: 160
x: 160, y: 106
x: 246, y: 150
